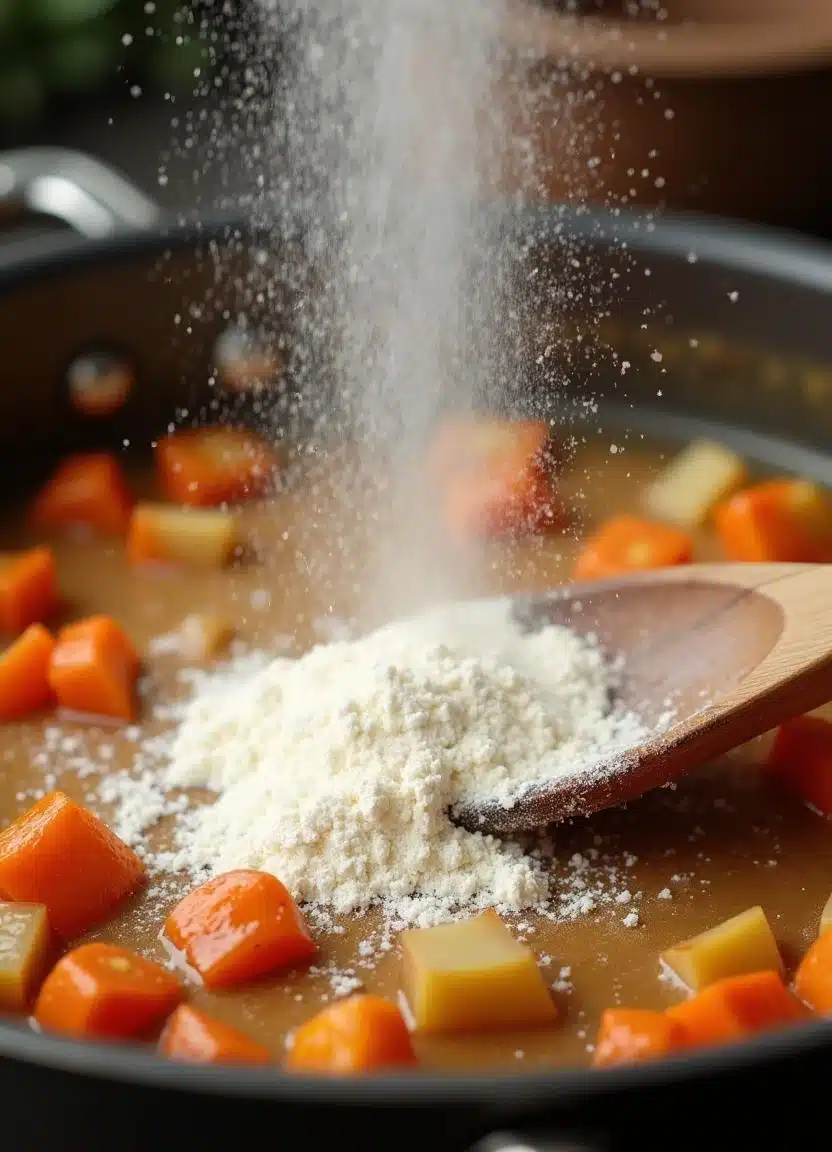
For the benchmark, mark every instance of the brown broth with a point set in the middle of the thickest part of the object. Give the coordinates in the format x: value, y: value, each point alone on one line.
x: 720, y: 842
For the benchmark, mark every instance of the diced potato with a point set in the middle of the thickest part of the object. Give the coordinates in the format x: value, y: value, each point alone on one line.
x: 24, y: 953
x: 826, y: 918
x: 164, y: 534
x: 205, y: 636
x: 743, y: 944
x: 694, y: 482
x: 473, y: 976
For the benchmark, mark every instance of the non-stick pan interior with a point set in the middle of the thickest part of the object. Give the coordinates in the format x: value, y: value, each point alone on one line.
x: 686, y: 326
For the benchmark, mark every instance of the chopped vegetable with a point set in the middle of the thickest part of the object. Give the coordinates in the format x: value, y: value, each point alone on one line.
x: 89, y: 489
x: 473, y: 976
x: 360, y: 1034
x: 788, y: 520
x: 195, y: 1036
x: 199, y: 537
x: 61, y: 855
x: 24, y: 673
x: 737, y: 1007
x: 478, y: 447
x: 813, y: 980
x: 744, y: 943
x: 801, y: 758
x: 495, y: 477
x: 211, y: 466
x: 826, y: 917
x: 239, y: 926
x: 628, y: 1035
x: 25, y: 945
x: 693, y: 483
x: 100, y: 990
x: 28, y: 589
x: 204, y: 636
x: 94, y: 668
x: 627, y: 544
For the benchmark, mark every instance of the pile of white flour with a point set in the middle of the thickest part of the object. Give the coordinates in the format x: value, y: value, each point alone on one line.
x: 337, y: 771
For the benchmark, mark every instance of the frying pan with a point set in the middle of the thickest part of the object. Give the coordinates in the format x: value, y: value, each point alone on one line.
x: 741, y: 320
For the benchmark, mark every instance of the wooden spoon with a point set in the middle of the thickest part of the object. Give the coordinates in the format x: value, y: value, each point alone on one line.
x: 736, y: 648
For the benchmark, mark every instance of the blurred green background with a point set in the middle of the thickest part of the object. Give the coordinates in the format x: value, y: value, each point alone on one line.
x: 55, y: 53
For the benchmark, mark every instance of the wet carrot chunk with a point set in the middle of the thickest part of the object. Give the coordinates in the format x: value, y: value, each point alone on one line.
x: 198, y: 1038
x: 94, y: 668
x: 628, y: 544
x: 87, y: 489
x: 494, y: 477
x: 28, y: 589
x: 24, y: 674
x: 210, y: 466
x: 628, y: 1035
x: 360, y: 1034
x: 801, y: 758
x: 737, y: 1007
x: 813, y: 981
x: 785, y: 520
x: 102, y: 991
x: 61, y: 855
x: 238, y: 927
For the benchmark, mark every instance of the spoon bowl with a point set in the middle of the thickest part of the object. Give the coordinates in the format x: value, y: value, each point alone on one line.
x: 729, y: 650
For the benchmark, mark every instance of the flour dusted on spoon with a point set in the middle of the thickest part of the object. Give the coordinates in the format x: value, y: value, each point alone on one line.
x: 337, y: 771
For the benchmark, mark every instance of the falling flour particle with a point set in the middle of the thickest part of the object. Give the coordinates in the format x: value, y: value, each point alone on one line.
x: 337, y: 771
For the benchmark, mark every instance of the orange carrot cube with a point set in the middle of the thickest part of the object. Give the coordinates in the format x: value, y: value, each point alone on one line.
x: 100, y: 991
x: 239, y: 926
x: 94, y: 668
x: 737, y: 1007
x: 785, y: 520
x: 628, y: 544
x: 813, y: 980
x: 209, y: 466
x: 88, y: 489
x: 801, y: 757
x: 61, y: 855
x: 28, y: 589
x: 628, y: 1035
x: 24, y: 674
x: 196, y: 1037
x: 471, y: 446
x: 357, y: 1035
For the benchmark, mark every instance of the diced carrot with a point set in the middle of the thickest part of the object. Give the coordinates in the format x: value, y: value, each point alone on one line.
x: 195, y: 1036
x: 93, y: 669
x: 360, y: 1034
x: 500, y: 504
x: 201, y: 537
x: 28, y: 589
x: 471, y: 446
x: 239, y: 926
x: 801, y: 757
x: 627, y: 1035
x: 102, y: 991
x: 627, y: 544
x: 24, y: 673
x: 61, y: 855
x: 737, y: 1007
x: 88, y: 489
x: 813, y: 981
x: 788, y: 520
x: 209, y: 466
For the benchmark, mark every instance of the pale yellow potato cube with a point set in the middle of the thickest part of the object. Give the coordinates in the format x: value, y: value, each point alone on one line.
x: 166, y: 534
x: 25, y: 943
x: 745, y: 943
x: 826, y: 918
x: 694, y: 482
x: 205, y: 636
x: 473, y: 977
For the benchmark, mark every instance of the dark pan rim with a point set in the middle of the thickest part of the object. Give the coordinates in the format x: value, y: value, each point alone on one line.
x: 772, y: 254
